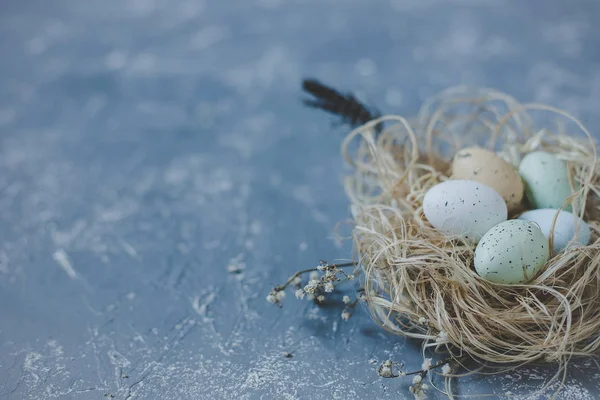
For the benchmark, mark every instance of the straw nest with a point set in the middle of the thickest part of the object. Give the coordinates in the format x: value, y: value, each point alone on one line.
x: 422, y: 284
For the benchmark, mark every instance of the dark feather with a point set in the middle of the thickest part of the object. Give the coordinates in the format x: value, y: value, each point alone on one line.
x: 344, y: 105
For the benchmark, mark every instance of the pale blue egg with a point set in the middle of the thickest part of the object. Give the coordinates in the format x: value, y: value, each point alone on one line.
x: 564, y: 230
x: 511, y: 252
x: 546, y: 180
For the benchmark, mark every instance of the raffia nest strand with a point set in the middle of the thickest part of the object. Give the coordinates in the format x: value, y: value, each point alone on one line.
x: 422, y: 284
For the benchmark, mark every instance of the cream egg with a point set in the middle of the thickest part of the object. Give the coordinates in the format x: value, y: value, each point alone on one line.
x: 486, y: 167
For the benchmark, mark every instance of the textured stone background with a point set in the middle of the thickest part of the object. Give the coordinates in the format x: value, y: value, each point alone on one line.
x: 147, y: 145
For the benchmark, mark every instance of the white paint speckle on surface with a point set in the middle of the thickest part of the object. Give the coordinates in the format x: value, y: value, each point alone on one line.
x: 65, y: 263
x: 303, y: 194
x: 394, y: 98
x: 116, y: 60
x: 201, y: 304
x: 209, y: 36
x: 366, y: 67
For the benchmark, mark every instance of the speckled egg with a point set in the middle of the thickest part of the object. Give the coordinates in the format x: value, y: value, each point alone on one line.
x: 486, y: 167
x: 546, y: 180
x: 567, y: 225
x: 464, y: 208
x: 511, y: 252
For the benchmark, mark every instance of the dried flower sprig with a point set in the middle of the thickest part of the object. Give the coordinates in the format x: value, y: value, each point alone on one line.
x: 391, y: 369
x: 351, y: 304
x: 318, y: 285
x: 386, y: 369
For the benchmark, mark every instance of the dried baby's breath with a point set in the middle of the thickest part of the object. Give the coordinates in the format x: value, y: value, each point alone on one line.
x: 446, y: 370
x: 346, y: 315
x: 385, y: 370
x: 426, y: 364
x: 390, y: 369
x: 312, y: 286
x: 322, y: 281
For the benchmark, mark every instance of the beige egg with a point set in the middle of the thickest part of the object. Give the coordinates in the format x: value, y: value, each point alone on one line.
x: 485, y: 167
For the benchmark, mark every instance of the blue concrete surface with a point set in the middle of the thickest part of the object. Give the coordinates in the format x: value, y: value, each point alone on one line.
x: 147, y: 145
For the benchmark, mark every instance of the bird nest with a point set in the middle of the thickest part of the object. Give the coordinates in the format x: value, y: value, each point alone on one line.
x: 422, y: 284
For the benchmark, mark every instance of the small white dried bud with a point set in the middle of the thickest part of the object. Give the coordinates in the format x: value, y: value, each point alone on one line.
x: 346, y: 299
x: 314, y: 275
x: 346, y: 315
x: 297, y: 281
x: 280, y: 295
x: 422, y: 320
x: 446, y: 369
x: 321, y: 298
x: 426, y: 364
x: 321, y: 267
x: 300, y: 294
x: 351, y: 277
x: 329, y: 274
x: 329, y: 287
x: 271, y: 298
x: 417, y: 379
x: 385, y: 369
x: 311, y: 286
x: 419, y: 394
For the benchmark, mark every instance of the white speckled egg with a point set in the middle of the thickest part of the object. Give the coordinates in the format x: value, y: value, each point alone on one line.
x: 564, y: 229
x: 464, y: 208
x: 486, y: 167
x: 546, y: 180
x: 511, y: 252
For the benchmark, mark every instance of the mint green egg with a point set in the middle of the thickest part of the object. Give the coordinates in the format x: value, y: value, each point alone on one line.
x: 546, y: 180
x: 511, y: 252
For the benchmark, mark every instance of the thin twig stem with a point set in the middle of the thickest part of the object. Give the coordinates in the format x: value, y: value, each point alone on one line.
x: 297, y: 274
x: 422, y: 372
x: 434, y: 366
